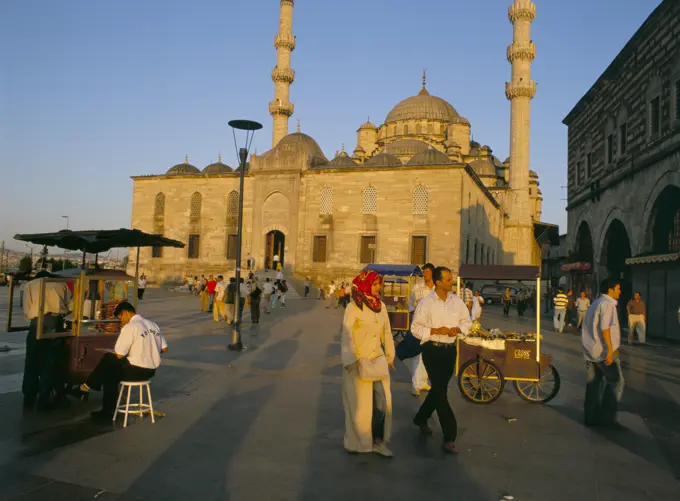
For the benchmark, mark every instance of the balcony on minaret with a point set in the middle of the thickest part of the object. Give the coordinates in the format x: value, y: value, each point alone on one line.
x: 284, y: 40
x: 283, y: 75
x: 520, y: 89
x: 524, y: 10
x: 521, y: 50
x: 278, y: 107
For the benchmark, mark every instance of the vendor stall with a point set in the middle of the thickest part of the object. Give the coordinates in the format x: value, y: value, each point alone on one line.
x: 489, y: 357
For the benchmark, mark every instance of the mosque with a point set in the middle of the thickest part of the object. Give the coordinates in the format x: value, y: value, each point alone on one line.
x: 414, y: 189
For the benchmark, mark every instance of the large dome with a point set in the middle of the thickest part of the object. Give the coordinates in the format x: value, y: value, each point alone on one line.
x: 183, y: 169
x: 422, y: 107
x: 302, y: 142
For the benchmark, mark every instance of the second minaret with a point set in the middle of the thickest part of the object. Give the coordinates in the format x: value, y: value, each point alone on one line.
x: 281, y: 109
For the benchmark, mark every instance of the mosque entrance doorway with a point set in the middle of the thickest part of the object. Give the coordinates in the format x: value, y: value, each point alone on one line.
x: 275, y: 242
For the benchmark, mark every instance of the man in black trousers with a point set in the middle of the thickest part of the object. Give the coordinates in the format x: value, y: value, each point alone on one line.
x: 438, y: 320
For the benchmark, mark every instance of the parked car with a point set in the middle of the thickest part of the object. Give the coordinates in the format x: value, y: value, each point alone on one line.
x: 493, y: 293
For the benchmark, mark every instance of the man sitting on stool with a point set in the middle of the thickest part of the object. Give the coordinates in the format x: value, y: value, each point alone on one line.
x: 136, y: 357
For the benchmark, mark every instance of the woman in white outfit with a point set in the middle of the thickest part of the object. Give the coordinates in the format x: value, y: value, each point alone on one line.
x: 367, y: 350
x: 477, y: 302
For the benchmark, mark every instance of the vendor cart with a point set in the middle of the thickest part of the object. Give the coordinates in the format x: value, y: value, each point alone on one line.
x: 488, y: 358
x: 398, y: 281
x: 89, y: 329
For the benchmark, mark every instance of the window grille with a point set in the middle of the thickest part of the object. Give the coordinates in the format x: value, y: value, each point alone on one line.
x: 370, y: 202
x: 196, y: 205
x: 326, y: 202
x: 420, y: 200
x: 159, y: 206
x: 232, y: 204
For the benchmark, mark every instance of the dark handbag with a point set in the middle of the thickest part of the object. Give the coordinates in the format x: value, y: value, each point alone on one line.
x: 409, y: 347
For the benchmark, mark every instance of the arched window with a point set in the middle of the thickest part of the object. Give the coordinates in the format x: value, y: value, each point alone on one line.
x: 405, y: 129
x: 430, y: 128
x: 232, y: 204
x: 419, y: 129
x: 420, y: 200
x: 196, y: 205
x: 326, y: 202
x: 370, y: 201
x: 159, y: 206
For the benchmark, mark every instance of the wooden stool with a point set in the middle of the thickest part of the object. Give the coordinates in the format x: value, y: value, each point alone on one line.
x: 137, y: 409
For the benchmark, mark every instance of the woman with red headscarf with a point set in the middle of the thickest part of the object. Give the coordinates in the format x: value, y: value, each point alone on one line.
x: 367, y: 350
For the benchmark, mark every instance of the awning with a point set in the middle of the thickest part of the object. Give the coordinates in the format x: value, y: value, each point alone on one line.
x: 547, y: 233
x: 396, y: 270
x: 654, y: 259
x: 94, y: 241
x: 499, y: 272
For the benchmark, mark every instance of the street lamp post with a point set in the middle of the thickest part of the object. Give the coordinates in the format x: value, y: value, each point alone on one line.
x: 249, y: 127
x: 67, y: 220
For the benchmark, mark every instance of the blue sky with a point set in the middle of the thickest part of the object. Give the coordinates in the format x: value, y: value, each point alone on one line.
x: 93, y: 92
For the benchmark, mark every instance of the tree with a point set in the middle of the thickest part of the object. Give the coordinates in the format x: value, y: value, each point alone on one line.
x: 25, y: 264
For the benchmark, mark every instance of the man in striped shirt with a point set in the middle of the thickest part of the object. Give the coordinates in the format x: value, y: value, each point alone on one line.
x: 560, y: 301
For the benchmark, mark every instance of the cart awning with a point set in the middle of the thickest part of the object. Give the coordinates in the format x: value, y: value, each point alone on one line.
x: 396, y: 270
x: 654, y: 259
x: 499, y: 272
x: 94, y: 241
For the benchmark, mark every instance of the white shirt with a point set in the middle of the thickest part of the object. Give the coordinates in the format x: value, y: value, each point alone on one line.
x: 432, y: 313
x: 420, y: 291
x: 243, y: 290
x: 141, y: 284
x: 331, y: 289
x: 57, y: 297
x: 268, y: 288
x: 220, y: 290
x: 582, y: 304
x: 141, y: 341
x: 279, y: 275
x: 275, y: 258
x: 601, y: 315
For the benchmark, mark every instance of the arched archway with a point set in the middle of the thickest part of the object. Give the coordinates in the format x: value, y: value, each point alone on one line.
x: 615, y: 250
x: 582, y: 277
x: 665, y: 223
x: 275, y: 245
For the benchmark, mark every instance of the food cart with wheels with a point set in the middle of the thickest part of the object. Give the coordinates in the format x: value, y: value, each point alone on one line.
x: 488, y: 358
x: 398, y: 280
x: 89, y: 329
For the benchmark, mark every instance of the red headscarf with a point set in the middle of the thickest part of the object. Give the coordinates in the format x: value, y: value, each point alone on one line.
x: 361, y: 290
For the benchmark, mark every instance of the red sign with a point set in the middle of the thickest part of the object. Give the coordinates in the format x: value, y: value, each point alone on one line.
x: 580, y: 266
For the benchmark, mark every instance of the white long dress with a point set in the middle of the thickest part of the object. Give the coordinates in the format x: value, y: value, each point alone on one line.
x: 364, y: 333
x: 476, y: 312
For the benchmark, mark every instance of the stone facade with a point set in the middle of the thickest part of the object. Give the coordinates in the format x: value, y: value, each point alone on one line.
x: 416, y: 188
x: 624, y: 170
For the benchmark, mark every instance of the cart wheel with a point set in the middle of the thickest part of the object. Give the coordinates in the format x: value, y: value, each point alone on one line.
x: 480, y: 381
x: 544, y: 390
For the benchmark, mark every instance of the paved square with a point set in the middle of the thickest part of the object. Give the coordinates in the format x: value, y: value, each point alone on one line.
x: 268, y: 424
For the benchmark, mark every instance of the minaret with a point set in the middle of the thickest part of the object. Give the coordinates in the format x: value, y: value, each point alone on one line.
x: 520, y: 91
x: 281, y: 108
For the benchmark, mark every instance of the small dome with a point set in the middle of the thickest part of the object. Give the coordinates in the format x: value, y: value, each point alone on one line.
x: 431, y: 156
x: 506, y: 161
x: 183, y: 169
x: 422, y: 106
x: 533, y: 174
x: 406, y: 147
x: 218, y: 168
x: 368, y: 125
x: 342, y: 160
x: 359, y: 149
x: 383, y: 160
x: 483, y: 168
x: 302, y: 142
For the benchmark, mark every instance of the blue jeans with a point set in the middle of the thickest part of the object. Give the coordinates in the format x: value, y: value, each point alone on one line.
x: 604, y: 390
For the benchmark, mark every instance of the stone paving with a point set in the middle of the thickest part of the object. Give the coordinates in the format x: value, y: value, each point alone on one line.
x: 268, y: 424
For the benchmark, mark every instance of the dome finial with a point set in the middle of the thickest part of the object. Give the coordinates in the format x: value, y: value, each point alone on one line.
x: 186, y: 159
x: 343, y: 147
x: 424, y: 78
x: 219, y: 156
x: 298, y: 126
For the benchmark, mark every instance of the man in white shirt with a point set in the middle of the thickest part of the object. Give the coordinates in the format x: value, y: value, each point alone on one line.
x: 331, y: 295
x: 601, y: 339
x: 267, y: 291
x: 136, y: 357
x: 419, y: 380
x: 220, y: 296
x: 40, y: 363
x: 582, y: 305
x: 279, y: 275
x: 141, y: 287
x: 440, y: 318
